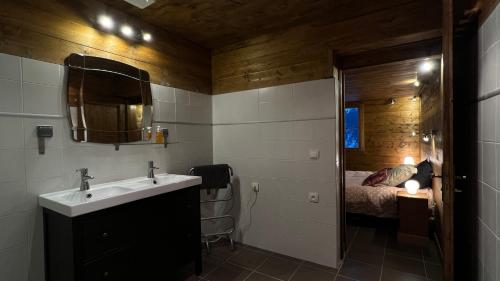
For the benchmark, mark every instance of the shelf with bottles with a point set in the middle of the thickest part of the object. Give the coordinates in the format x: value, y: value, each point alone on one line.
x: 160, y: 137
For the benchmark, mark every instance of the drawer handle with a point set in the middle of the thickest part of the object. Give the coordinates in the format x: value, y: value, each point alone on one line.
x: 105, y: 235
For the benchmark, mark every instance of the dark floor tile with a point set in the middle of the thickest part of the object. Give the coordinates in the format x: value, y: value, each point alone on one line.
x: 389, y: 274
x: 221, y: 250
x: 371, y: 236
x: 431, y: 253
x: 401, y: 249
x: 249, y: 258
x: 228, y: 272
x: 434, y: 271
x: 279, y: 267
x: 350, y: 233
x: 343, y: 278
x: 319, y: 267
x: 286, y: 257
x: 209, y: 264
x: 259, y: 277
x: 190, y: 278
x: 359, y: 254
x: 305, y: 273
x: 360, y: 271
x: 404, y: 264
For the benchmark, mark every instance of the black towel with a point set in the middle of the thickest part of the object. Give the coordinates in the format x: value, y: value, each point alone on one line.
x: 213, y: 176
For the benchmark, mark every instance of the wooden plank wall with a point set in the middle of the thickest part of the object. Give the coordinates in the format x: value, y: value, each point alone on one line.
x: 50, y: 30
x: 432, y: 119
x: 305, y: 52
x: 387, y: 135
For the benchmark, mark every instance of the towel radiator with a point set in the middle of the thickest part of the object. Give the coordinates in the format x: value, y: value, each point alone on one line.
x: 214, y: 237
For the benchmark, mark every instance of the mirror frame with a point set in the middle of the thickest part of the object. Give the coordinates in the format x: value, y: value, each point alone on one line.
x: 77, y: 66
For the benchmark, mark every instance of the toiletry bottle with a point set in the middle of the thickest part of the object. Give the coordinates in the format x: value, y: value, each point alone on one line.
x: 159, y: 135
x: 149, y: 133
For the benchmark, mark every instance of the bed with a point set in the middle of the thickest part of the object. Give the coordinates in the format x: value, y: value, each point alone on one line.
x: 378, y: 201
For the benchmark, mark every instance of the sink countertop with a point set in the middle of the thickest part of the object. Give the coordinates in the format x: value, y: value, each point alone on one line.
x: 74, y: 202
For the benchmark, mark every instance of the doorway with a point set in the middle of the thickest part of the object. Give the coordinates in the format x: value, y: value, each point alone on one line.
x: 378, y: 131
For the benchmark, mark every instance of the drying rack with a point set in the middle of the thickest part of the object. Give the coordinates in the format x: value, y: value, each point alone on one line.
x: 208, y: 238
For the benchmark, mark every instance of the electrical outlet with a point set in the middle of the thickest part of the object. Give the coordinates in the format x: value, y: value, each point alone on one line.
x: 314, y: 197
x: 314, y: 154
x: 255, y: 187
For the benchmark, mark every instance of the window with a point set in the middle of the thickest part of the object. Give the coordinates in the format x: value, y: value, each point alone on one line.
x: 353, y: 128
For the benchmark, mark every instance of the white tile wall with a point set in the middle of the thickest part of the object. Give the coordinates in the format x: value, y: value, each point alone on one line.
x: 275, y: 154
x: 489, y: 150
x: 36, y: 87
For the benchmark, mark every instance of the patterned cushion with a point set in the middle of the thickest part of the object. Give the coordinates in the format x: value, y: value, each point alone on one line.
x: 377, y: 177
x: 399, y: 174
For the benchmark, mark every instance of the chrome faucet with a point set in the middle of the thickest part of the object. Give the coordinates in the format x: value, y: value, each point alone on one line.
x: 84, y: 179
x: 151, y: 169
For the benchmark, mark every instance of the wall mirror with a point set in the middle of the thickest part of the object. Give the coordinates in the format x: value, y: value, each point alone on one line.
x: 108, y: 101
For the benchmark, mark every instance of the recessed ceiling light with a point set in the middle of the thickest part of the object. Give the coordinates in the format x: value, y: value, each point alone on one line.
x: 141, y: 4
x: 127, y: 31
x: 106, y: 22
x: 146, y: 36
x: 426, y: 66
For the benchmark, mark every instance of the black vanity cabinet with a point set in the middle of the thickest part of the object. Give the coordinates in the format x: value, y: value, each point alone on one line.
x: 149, y: 239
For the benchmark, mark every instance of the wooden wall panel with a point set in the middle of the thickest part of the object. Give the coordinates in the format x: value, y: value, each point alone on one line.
x: 387, y: 135
x: 50, y: 30
x: 304, y: 52
x: 432, y: 119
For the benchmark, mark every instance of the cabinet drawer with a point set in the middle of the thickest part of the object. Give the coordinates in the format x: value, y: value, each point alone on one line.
x: 105, y: 233
x: 115, y: 267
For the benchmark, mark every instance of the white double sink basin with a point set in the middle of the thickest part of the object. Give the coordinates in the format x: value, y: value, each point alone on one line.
x: 74, y: 202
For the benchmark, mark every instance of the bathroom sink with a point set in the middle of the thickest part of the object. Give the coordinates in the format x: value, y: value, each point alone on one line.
x: 77, y: 196
x: 74, y: 202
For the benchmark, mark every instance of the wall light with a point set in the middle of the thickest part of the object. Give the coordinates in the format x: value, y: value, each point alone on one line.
x: 412, y: 186
x: 414, y: 99
x: 146, y: 36
x: 426, y: 66
x: 416, y: 83
x: 426, y: 137
x: 127, y: 31
x: 409, y: 160
x: 106, y: 22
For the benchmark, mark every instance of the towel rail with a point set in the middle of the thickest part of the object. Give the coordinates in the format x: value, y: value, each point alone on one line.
x: 213, y: 237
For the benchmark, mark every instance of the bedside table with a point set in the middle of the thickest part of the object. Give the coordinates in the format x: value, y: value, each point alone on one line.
x: 413, y: 218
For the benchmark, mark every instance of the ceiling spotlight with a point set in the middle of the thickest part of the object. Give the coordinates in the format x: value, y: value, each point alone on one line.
x: 391, y: 101
x: 127, y: 31
x: 426, y: 66
x: 106, y: 22
x: 146, y: 36
x: 416, y: 83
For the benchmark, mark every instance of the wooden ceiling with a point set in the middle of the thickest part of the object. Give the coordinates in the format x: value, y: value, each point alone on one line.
x: 218, y: 23
x: 385, y: 81
x: 215, y: 23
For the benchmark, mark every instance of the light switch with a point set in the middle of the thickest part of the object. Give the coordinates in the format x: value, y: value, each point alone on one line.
x: 314, y: 154
x: 314, y: 197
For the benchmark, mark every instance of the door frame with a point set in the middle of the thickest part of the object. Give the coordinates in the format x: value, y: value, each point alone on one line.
x: 447, y: 111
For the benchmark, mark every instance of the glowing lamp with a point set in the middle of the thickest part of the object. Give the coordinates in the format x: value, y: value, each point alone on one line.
x: 412, y: 186
x: 409, y: 160
x: 106, y: 22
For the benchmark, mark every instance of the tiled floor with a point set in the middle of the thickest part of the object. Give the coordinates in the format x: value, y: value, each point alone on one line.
x: 373, y: 254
